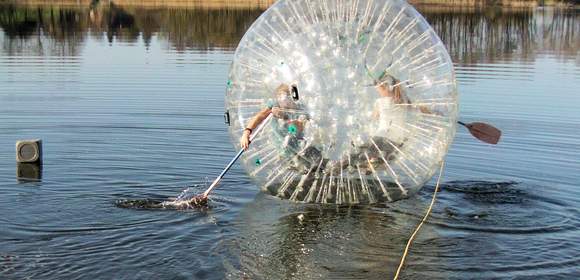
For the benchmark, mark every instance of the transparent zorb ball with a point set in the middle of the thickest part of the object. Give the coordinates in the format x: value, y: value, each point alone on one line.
x: 365, y: 95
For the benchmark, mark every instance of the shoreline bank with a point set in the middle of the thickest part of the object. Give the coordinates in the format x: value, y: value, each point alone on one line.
x: 264, y: 4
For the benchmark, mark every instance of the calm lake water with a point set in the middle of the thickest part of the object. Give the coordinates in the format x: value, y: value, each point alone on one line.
x: 129, y: 103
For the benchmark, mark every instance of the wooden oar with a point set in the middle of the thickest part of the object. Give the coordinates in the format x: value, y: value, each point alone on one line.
x: 482, y: 131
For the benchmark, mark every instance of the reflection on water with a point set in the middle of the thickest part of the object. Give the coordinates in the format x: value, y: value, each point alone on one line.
x: 294, y: 241
x: 29, y: 171
x: 129, y: 102
x: 473, y: 35
x: 494, y: 34
x: 57, y: 31
x: 277, y: 240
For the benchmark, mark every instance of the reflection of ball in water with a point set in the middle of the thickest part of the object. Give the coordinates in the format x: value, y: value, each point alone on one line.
x: 368, y: 106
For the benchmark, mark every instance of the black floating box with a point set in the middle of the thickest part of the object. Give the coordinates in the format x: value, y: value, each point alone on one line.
x: 29, y: 151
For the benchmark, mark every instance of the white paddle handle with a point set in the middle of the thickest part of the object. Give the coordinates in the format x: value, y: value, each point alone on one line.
x: 252, y: 136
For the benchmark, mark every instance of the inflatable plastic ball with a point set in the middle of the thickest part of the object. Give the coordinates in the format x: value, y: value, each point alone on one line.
x: 362, y: 97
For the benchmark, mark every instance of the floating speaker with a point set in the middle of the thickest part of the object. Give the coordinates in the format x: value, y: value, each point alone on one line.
x: 29, y: 151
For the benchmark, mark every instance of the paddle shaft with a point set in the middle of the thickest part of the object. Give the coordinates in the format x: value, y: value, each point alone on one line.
x: 219, y: 178
x: 238, y: 155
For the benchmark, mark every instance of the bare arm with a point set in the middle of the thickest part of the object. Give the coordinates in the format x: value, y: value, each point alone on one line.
x: 252, y: 125
x: 425, y: 110
x: 383, y: 91
x: 258, y: 118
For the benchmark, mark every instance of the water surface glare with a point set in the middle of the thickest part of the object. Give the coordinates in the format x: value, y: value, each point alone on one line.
x: 128, y: 101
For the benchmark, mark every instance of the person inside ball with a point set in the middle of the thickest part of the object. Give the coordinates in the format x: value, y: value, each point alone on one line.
x: 288, y: 130
x: 389, y: 112
x: 390, y: 116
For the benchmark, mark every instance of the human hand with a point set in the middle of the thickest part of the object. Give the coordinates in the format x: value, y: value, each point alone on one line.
x: 245, y: 140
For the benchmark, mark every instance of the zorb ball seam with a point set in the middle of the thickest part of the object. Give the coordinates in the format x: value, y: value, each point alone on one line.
x: 377, y: 103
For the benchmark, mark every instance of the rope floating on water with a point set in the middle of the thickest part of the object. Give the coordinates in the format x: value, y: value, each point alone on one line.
x: 421, y: 223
